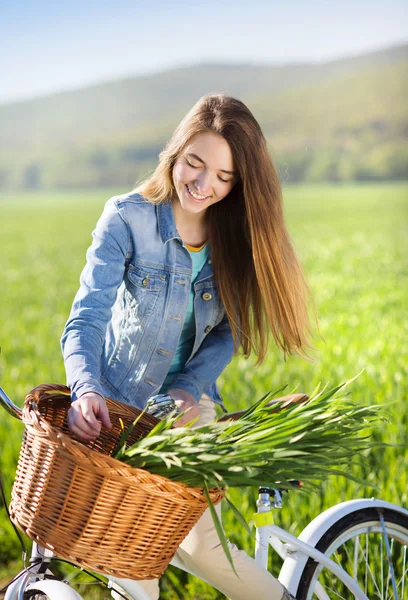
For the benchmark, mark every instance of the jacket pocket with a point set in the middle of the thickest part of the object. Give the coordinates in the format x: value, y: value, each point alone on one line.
x: 144, y: 286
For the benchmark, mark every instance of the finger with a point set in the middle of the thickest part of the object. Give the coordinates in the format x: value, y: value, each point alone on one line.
x: 190, y: 415
x: 181, y: 422
x: 185, y: 418
x: 76, y: 419
x: 184, y: 405
x: 104, y: 416
x: 80, y: 435
x: 88, y: 414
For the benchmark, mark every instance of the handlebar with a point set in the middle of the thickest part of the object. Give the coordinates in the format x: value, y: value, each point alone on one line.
x: 9, y: 405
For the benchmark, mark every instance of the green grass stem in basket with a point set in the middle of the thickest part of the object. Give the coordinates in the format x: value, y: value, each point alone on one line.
x: 307, y: 441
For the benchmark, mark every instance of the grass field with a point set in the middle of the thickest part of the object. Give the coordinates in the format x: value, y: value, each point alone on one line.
x: 353, y: 243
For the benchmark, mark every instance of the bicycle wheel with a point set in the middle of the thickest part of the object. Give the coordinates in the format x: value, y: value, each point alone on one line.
x: 50, y: 589
x: 357, y: 543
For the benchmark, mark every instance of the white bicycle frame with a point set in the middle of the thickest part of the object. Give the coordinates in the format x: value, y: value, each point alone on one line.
x: 294, y: 551
x: 294, y: 564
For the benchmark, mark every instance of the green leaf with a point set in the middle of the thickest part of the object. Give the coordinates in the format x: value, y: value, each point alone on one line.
x: 121, y: 445
x: 239, y: 517
x: 219, y: 529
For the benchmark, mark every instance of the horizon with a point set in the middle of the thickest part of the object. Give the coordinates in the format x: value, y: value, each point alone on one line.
x: 52, y: 49
x: 249, y: 63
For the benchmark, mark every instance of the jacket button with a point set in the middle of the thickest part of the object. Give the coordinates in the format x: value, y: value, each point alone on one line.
x: 145, y: 281
x: 206, y: 296
x: 207, y: 329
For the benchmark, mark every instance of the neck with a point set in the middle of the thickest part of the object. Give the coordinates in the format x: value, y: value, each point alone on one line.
x: 191, y: 227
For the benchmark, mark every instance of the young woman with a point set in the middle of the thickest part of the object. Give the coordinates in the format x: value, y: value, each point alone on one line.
x: 192, y: 266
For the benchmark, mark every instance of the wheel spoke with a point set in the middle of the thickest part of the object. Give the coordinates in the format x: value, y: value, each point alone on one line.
x: 404, y: 575
x: 356, y: 544
x: 382, y: 567
x: 404, y: 570
x: 389, y: 547
x: 368, y: 570
x: 387, y: 582
x: 366, y: 563
x: 337, y: 595
x: 363, y: 549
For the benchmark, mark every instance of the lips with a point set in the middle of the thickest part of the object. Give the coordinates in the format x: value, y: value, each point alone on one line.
x: 194, y: 197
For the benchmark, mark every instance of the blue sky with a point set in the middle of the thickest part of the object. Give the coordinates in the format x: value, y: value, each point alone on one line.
x: 50, y: 46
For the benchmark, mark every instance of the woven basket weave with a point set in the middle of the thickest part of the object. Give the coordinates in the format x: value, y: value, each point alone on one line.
x: 89, y: 508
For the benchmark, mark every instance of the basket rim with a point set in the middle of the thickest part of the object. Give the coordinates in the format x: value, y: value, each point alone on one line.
x: 105, y: 465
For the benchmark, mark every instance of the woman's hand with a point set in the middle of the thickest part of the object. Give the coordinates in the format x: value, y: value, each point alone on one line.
x: 84, y: 414
x: 185, y: 402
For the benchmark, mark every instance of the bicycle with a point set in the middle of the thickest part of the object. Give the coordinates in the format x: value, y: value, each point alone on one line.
x: 353, y: 549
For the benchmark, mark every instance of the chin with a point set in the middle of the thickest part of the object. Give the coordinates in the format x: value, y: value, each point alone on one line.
x: 194, y: 209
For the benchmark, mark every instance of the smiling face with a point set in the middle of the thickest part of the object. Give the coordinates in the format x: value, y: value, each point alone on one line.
x: 203, y: 174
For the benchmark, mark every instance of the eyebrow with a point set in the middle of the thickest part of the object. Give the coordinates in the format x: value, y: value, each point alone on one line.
x: 201, y: 161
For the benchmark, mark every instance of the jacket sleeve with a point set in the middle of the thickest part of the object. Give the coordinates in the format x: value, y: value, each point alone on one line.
x: 84, y: 334
x: 202, y: 370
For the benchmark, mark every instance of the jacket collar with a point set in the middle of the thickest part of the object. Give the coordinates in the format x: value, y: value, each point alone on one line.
x: 168, y: 231
x: 166, y: 222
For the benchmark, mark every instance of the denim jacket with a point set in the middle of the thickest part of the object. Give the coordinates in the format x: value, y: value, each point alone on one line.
x: 128, y: 314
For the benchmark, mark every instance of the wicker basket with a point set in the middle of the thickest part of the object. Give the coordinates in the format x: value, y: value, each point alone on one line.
x: 90, y: 508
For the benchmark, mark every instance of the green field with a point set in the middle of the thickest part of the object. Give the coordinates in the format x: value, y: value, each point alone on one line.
x: 353, y: 243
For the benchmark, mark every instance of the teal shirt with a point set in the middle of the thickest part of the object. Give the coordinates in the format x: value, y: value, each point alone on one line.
x: 186, y: 341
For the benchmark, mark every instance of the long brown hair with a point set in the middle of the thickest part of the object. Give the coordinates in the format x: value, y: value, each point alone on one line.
x: 255, y: 267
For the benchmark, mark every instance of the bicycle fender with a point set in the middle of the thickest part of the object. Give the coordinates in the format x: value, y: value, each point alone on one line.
x: 295, y: 563
x: 55, y: 590
x: 13, y: 590
x: 129, y: 586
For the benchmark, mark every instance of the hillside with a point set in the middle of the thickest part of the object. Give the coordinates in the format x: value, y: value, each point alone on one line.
x: 342, y: 120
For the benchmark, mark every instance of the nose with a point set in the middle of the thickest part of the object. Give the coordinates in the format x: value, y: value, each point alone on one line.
x: 203, y: 182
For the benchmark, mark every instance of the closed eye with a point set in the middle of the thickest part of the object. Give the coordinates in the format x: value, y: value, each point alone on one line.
x: 197, y: 167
